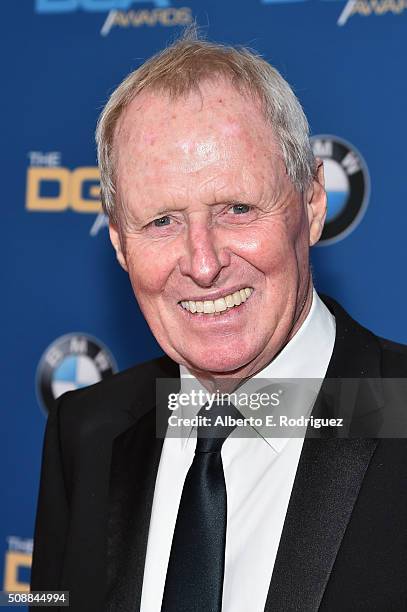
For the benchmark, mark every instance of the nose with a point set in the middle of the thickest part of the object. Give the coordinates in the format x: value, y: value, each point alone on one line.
x: 204, y: 257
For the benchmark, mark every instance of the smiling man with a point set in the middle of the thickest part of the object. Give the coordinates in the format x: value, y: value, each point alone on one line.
x: 211, y: 224
x: 214, y: 199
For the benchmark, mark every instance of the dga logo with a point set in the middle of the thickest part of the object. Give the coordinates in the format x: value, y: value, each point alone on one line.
x: 118, y: 13
x: 17, y: 564
x: 91, y: 6
x: 53, y: 188
x: 71, y: 362
x: 364, y: 8
x: 347, y: 184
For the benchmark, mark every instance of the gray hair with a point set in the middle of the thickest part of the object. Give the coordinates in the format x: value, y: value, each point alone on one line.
x: 178, y: 70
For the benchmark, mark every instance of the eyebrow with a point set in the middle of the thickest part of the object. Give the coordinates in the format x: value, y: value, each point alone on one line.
x: 152, y: 215
x: 227, y: 202
x: 165, y: 211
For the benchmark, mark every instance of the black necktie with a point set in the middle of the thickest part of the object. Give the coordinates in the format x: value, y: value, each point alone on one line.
x: 194, y: 581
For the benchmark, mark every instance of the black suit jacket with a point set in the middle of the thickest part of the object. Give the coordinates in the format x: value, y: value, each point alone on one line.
x: 344, y: 541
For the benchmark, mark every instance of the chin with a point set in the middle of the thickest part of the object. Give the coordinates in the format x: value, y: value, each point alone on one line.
x: 218, y: 361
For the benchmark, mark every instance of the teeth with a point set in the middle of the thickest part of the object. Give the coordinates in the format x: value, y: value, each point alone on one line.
x: 229, y: 301
x: 236, y: 298
x: 216, y: 307
x: 220, y: 305
x: 209, y: 307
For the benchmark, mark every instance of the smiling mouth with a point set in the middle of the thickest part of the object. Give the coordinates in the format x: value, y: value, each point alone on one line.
x: 218, y: 306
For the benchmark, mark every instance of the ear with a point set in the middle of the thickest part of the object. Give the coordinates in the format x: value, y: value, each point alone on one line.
x: 116, y: 241
x: 316, y: 204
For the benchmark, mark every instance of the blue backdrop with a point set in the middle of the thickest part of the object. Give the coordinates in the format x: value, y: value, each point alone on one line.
x: 68, y: 311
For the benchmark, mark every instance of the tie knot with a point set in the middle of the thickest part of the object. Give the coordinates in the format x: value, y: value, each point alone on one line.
x: 218, y: 422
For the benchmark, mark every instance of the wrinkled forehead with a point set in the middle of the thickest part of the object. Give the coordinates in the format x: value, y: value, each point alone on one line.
x: 216, y: 109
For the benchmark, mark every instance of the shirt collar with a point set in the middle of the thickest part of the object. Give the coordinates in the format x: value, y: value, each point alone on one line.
x: 306, y: 355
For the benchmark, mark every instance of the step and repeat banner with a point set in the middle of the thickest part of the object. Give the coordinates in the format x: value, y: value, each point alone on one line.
x: 68, y: 313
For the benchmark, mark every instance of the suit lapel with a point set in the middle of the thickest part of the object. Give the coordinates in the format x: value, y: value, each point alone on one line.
x: 326, y: 487
x: 135, y: 458
x: 329, y: 476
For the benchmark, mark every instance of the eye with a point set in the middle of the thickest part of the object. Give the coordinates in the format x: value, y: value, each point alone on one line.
x: 161, y: 221
x: 240, y: 209
x: 164, y: 226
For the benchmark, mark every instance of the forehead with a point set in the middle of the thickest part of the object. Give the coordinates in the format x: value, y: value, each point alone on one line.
x: 214, y: 130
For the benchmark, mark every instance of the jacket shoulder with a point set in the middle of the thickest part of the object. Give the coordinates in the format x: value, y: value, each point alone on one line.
x: 360, y: 352
x: 113, y: 404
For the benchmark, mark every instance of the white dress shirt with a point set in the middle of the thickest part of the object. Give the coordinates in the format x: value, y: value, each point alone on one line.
x: 259, y: 475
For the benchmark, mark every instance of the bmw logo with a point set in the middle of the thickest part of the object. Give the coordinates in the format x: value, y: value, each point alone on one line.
x: 347, y: 185
x: 71, y: 362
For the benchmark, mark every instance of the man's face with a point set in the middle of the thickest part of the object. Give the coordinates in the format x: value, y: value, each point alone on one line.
x: 211, y: 215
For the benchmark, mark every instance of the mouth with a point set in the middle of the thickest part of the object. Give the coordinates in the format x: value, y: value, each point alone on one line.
x: 219, y: 306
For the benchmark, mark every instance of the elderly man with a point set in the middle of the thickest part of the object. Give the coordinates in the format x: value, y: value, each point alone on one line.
x: 214, y: 198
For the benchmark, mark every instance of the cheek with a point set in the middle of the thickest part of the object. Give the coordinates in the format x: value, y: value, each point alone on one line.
x: 148, y: 270
x: 271, y: 249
